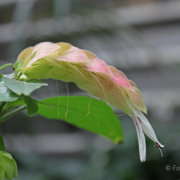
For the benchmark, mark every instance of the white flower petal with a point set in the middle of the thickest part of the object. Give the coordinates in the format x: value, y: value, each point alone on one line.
x: 141, y: 139
x: 146, y: 126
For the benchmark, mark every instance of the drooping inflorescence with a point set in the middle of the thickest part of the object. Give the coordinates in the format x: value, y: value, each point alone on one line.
x: 65, y: 62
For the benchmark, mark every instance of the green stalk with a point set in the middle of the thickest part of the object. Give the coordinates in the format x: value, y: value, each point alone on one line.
x: 11, y: 113
x: 2, y: 105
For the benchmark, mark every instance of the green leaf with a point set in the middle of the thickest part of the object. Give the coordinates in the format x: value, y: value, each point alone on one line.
x: 2, y: 147
x: 15, y: 173
x: 17, y: 65
x: 6, y: 94
x: 2, y: 172
x: 9, y: 105
x: 32, y: 106
x: 23, y: 87
x: 6, y: 154
x: 86, y: 113
x: 16, y: 103
x: 11, y: 75
x: 7, y: 164
x: 9, y: 64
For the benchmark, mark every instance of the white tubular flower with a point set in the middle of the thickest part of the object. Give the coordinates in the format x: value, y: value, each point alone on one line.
x: 143, y: 125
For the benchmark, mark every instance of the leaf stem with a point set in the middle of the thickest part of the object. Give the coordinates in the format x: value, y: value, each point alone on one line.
x: 2, y: 105
x: 11, y: 113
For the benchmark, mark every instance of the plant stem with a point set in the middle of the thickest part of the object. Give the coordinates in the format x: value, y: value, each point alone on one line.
x: 15, y: 111
x: 2, y: 105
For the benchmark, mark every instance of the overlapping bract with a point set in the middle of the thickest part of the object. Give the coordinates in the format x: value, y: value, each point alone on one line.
x: 67, y: 63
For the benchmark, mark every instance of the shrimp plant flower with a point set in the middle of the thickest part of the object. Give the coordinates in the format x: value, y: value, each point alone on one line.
x: 62, y: 61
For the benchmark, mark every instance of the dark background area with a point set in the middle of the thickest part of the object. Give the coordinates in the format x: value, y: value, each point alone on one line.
x: 140, y: 38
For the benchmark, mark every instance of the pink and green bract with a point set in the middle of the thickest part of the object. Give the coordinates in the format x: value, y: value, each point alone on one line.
x: 62, y: 61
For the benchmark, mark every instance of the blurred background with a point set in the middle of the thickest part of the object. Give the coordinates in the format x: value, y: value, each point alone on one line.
x: 139, y: 37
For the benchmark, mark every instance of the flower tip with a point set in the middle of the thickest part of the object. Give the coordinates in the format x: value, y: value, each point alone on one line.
x: 159, y: 146
x: 143, y: 159
x: 162, y: 145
